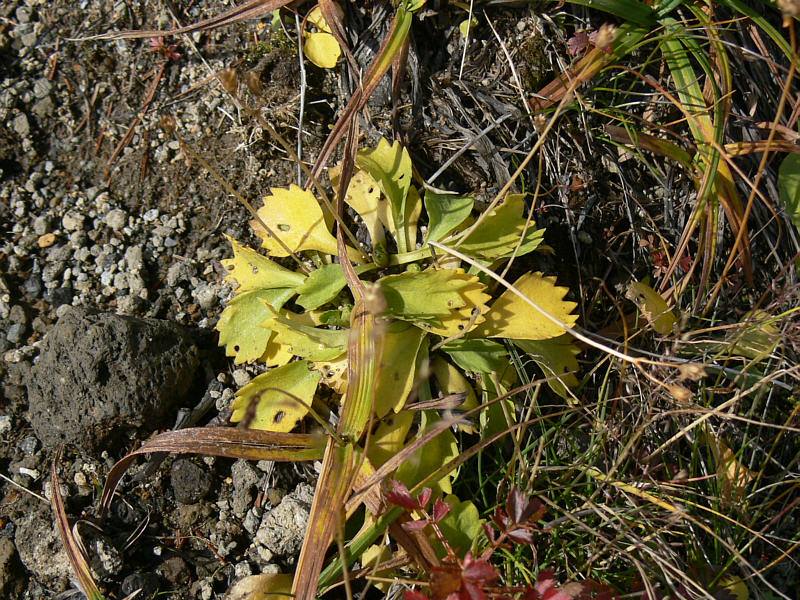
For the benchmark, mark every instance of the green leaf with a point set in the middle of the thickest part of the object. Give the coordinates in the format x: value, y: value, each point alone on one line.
x: 323, y: 285
x: 314, y: 343
x: 431, y: 294
x: 477, y: 355
x: 556, y: 357
x: 271, y: 398
x: 445, y: 213
x: 512, y: 317
x: 789, y: 187
x: 253, y: 271
x: 461, y: 525
x: 390, y: 166
x: 499, y: 233
x: 240, y: 325
x: 401, y: 344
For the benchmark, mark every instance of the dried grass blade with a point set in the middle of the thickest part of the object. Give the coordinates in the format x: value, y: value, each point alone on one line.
x: 338, y: 470
x: 242, y: 12
x: 75, y: 552
x: 227, y: 442
x: 391, y: 45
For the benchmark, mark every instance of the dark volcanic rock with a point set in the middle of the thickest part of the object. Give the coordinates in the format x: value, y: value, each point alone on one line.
x: 101, y: 375
x: 190, y: 482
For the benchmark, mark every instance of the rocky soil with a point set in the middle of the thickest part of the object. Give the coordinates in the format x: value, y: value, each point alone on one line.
x: 111, y: 281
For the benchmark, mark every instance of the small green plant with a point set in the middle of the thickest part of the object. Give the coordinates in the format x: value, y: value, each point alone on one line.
x: 434, y: 338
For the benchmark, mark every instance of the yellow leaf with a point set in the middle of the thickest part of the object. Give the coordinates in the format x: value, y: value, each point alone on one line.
x: 735, y: 587
x: 557, y: 357
x: 466, y: 26
x: 733, y: 476
x: 322, y: 49
x: 295, y: 217
x: 389, y: 437
x: 500, y: 232
x: 316, y: 18
x: 396, y: 372
x: 270, y: 401
x: 253, y: 271
x: 511, y: 317
x: 652, y: 306
x: 334, y: 373
x: 240, y: 325
x: 390, y: 165
x: 364, y: 196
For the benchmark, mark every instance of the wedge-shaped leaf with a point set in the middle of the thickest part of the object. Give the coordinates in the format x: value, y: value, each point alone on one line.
x: 364, y: 196
x: 413, y: 210
x: 652, y: 306
x: 390, y: 165
x: 461, y: 525
x: 512, y: 317
x: 430, y: 457
x: 277, y: 399
x: 462, y: 320
x: 389, y: 438
x: 477, y: 355
x: 240, y: 326
x: 396, y: 372
x: 295, y: 223
x: 305, y: 341
x: 500, y: 232
x: 445, y: 213
x: 334, y: 373
x: 428, y: 295
x: 323, y: 285
x: 557, y: 358
x: 253, y: 271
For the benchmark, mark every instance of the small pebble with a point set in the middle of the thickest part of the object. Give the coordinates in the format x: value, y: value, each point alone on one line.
x: 116, y: 219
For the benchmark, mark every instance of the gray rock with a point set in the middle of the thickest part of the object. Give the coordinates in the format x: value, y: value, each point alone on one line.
x: 42, y: 88
x: 190, y: 481
x: 146, y: 584
x: 41, y: 551
x: 72, y: 221
x: 106, y: 559
x: 245, y: 478
x: 43, y: 108
x: 283, y: 528
x: 41, y: 225
x: 21, y: 125
x: 116, y: 219
x: 134, y: 259
x: 101, y: 375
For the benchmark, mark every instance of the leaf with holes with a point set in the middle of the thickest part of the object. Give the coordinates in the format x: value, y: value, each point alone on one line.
x: 390, y: 165
x: 652, y: 306
x: 439, y: 299
x: 240, y: 326
x: 277, y: 399
x: 334, y: 373
x: 445, y: 213
x: 512, y: 317
x: 557, y: 358
x: 253, y: 271
x: 296, y: 223
x: 501, y: 231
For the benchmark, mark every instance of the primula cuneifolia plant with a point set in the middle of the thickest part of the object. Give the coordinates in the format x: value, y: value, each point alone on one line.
x: 440, y: 329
